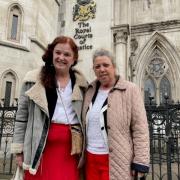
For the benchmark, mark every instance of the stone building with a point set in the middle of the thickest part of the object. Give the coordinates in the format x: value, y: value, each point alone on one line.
x: 26, y: 27
x: 143, y: 35
x: 155, y: 55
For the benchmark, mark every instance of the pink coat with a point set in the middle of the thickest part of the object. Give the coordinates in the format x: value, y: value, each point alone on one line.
x: 128, y: 134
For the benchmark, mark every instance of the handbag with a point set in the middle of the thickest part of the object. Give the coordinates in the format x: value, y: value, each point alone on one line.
x: 76, y: 133
x: 18, y: 174
x: 77, y: 139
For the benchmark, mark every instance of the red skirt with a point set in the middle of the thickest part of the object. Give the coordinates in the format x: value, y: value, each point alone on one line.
x: 97, y: 166
x: 56, y: 162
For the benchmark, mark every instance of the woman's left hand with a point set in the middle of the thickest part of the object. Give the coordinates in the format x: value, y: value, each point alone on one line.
x: 139, y: 174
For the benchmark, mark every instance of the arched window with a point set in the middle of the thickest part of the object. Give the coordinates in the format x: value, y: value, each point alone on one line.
x: 8, y: 88
x: 156, y: 83
x: 14, y: 25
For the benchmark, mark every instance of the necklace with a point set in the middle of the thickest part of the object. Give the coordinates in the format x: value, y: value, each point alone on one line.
x: 61, y: 89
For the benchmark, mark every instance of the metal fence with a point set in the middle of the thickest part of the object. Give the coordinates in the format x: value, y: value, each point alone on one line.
x: 7, y: 117
x: 164, y: 128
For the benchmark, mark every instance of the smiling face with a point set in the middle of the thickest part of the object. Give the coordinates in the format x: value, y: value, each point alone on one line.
x: 63, y: 57
x: 104, y: 71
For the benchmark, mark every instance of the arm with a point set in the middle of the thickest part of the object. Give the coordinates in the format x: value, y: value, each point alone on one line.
x: 20, y: 122
x: 140, y: 133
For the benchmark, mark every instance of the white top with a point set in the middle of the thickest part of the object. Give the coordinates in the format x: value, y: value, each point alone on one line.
x: 59, y: 115
x: 95, y: 140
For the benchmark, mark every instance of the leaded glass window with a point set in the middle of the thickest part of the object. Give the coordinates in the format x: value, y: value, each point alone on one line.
x: 14, y: 27
x: 149, y: 89
x: 156, y: 83
x: 165, y: 89
x: 7, y: 93
x: 8, y: 88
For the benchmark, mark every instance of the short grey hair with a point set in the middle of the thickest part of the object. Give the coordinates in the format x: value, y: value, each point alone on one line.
x: 104, y: 52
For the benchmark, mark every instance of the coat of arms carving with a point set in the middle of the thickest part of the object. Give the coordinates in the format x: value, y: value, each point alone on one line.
x: 84, y: 10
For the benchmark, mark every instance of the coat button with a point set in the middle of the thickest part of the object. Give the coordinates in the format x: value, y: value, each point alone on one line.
x: 109, y: 105
x: 110, y: 149
x: 102, y: 128
x: 108, y: 127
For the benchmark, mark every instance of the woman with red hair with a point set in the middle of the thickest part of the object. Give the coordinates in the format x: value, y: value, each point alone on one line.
x: 49, y: 108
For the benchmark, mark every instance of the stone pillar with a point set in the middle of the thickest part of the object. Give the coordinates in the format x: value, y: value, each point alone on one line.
x: 120, y: 42
x: 117, y: 12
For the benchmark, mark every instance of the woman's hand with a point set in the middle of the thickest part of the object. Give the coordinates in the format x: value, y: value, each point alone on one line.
x: 19, y: 159
x: 138, y: 174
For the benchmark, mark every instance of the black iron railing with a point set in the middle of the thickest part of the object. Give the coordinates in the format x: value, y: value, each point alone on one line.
x: 7, y: 119
x: 164, y: 128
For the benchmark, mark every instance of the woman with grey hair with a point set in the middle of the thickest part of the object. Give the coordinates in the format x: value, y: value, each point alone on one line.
x: 114, y: 117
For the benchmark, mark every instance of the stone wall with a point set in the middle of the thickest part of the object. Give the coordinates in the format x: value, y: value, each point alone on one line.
x: 39, y: 26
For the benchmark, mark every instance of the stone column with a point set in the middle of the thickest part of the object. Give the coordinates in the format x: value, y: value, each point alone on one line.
x: 117, y: 12
x: 120, y: 42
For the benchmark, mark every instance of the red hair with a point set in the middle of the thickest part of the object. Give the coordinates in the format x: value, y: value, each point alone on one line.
x: 48, y: 71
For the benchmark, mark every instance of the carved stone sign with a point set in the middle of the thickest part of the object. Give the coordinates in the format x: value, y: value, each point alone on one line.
x: 83, y: 11
x: 82, y: 33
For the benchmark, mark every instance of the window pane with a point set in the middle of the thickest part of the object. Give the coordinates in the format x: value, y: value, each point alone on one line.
x: 149, y: 90
x: 7, y: 93
x: 14, y: 27
x: 165, y: 89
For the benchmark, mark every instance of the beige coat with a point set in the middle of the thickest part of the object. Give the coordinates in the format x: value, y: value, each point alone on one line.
x: 128, y: 135
x: 32, y: 119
